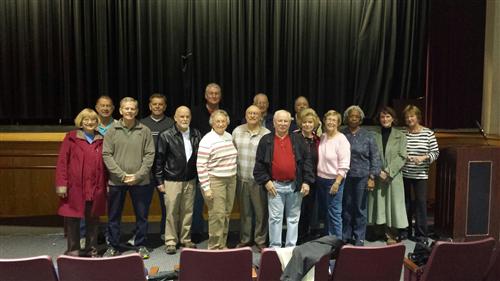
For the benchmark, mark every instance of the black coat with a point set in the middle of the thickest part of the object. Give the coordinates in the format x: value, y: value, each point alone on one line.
x: 264, y: 158
x: 170, y: 162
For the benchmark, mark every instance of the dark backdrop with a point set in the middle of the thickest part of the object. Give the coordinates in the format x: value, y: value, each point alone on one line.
x: 58, y: 56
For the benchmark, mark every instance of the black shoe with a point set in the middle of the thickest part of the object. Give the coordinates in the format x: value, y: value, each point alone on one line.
x: 198, y: 237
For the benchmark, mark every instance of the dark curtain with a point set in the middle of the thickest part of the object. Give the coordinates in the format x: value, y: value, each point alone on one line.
x: 58, y: 56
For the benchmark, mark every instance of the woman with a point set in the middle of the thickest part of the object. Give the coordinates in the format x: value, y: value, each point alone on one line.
x: 333, y: 163
x: 308, y: 121
x: 81, y: 182
x: 365, y: 165
x: 422, y: 150
x: 386, y: 203
x: 216, y: 165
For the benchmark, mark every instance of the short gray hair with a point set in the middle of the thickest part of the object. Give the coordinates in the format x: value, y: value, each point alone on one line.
x: 351, y: 108
x: 282, y: 111
x: 129, y: 99
x: 218, y: 112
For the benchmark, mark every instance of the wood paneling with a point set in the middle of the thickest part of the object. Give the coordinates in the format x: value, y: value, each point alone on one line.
x: 27, y: 164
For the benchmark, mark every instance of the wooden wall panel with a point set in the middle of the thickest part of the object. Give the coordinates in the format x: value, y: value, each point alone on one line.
x: 27, y: 167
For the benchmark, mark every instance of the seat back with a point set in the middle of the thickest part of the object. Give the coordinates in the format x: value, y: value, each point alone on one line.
x: 493, y: 273
x: 270, y: 267
x: 126, y: 267
x: 458, y: 260
x: 27, y: 269
x: 369, y: 263
x: 231, y: 264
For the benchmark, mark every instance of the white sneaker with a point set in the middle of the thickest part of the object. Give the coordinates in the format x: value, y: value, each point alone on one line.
x: 131, y: 241
x: 82, y: 243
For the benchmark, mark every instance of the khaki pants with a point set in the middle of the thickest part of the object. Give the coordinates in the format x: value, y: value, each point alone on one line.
x: 219, y: 210
x: 179, y: 200
x: 253, y: 201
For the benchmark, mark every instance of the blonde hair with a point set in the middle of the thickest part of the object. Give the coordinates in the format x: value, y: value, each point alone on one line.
x: 307, y: 112
x: 86, y: 113
x: 218, y: 112
x: 332, y: 112
x: 412, y: 109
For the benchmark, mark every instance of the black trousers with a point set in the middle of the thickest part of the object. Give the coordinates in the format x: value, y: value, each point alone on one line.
x: 141, y: 200
x: 416, y: 206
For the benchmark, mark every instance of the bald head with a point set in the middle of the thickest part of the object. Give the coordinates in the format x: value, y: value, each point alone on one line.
x: 262, y: 102
x: 182, y: 118
x: 300, y: 103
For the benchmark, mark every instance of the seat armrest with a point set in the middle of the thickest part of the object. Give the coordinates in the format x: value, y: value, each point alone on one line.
x: 254, y: 274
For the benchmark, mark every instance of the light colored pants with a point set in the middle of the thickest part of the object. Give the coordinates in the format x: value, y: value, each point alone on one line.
x: 287, y: 203
x: 252, y: 202
x: 219, y: 210
x: 179, y: 200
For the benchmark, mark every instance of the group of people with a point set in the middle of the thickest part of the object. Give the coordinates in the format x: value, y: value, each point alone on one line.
x: 279, y: 169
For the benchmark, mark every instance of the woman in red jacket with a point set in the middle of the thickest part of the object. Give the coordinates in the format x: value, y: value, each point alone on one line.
x: 81, y: 182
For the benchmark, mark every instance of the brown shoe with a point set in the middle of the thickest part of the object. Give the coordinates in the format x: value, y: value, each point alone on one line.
x: 241, y: 245
x: 170, y: 249
x: 189, y: 244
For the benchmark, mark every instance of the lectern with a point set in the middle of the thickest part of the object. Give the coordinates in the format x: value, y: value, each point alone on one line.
x: 468, y: 192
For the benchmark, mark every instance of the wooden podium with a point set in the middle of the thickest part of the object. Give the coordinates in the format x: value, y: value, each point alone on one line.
x: 468, y: 193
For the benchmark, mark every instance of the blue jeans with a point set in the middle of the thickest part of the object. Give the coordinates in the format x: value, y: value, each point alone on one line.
x: 141, y: 200
x: 354, y: 209
x: 286, y: 203
x: 331, y: 205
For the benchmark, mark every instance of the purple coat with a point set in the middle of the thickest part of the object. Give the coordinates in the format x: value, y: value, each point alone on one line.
x: 80, y: 168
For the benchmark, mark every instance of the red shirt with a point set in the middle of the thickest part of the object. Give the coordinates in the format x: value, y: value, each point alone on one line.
x: 283, y: 165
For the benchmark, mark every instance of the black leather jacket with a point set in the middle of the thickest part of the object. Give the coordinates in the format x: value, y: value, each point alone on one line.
x: 170, y: 162
x: 264, y: 159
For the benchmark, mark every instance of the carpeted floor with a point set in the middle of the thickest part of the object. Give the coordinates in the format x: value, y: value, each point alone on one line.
x: 23, y: 241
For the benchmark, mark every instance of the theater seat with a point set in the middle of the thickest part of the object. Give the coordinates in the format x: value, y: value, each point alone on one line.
x: 356, y: 263
x: 28, y: 269
x: 453, y: 261
x: 211, y: 265
x: 122, y: 268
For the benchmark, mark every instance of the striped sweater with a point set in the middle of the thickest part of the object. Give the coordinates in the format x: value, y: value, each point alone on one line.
x: 421, y: 143
x: 216, y: 157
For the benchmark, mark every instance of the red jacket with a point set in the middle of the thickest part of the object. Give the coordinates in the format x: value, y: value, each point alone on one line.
x: 80, y: 168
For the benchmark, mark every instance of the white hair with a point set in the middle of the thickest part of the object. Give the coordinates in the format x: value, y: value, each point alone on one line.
x: 351, y: 108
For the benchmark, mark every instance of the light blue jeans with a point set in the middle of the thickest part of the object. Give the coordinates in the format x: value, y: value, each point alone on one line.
x: 287, y: 203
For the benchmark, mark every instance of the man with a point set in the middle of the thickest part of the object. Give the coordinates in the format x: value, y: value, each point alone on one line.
x: 201, y: 114
x: 300, y: 103
x: 199, y: 120
x: 157, y: 122
x: 175, y: 172
x: 283, y: 166
x: 262, y: 102
x: 104, y: 107
x: 252, y: 197
x: 128, y: 153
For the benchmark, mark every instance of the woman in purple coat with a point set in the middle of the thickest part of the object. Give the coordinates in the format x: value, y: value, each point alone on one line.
x: 81, y: 182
